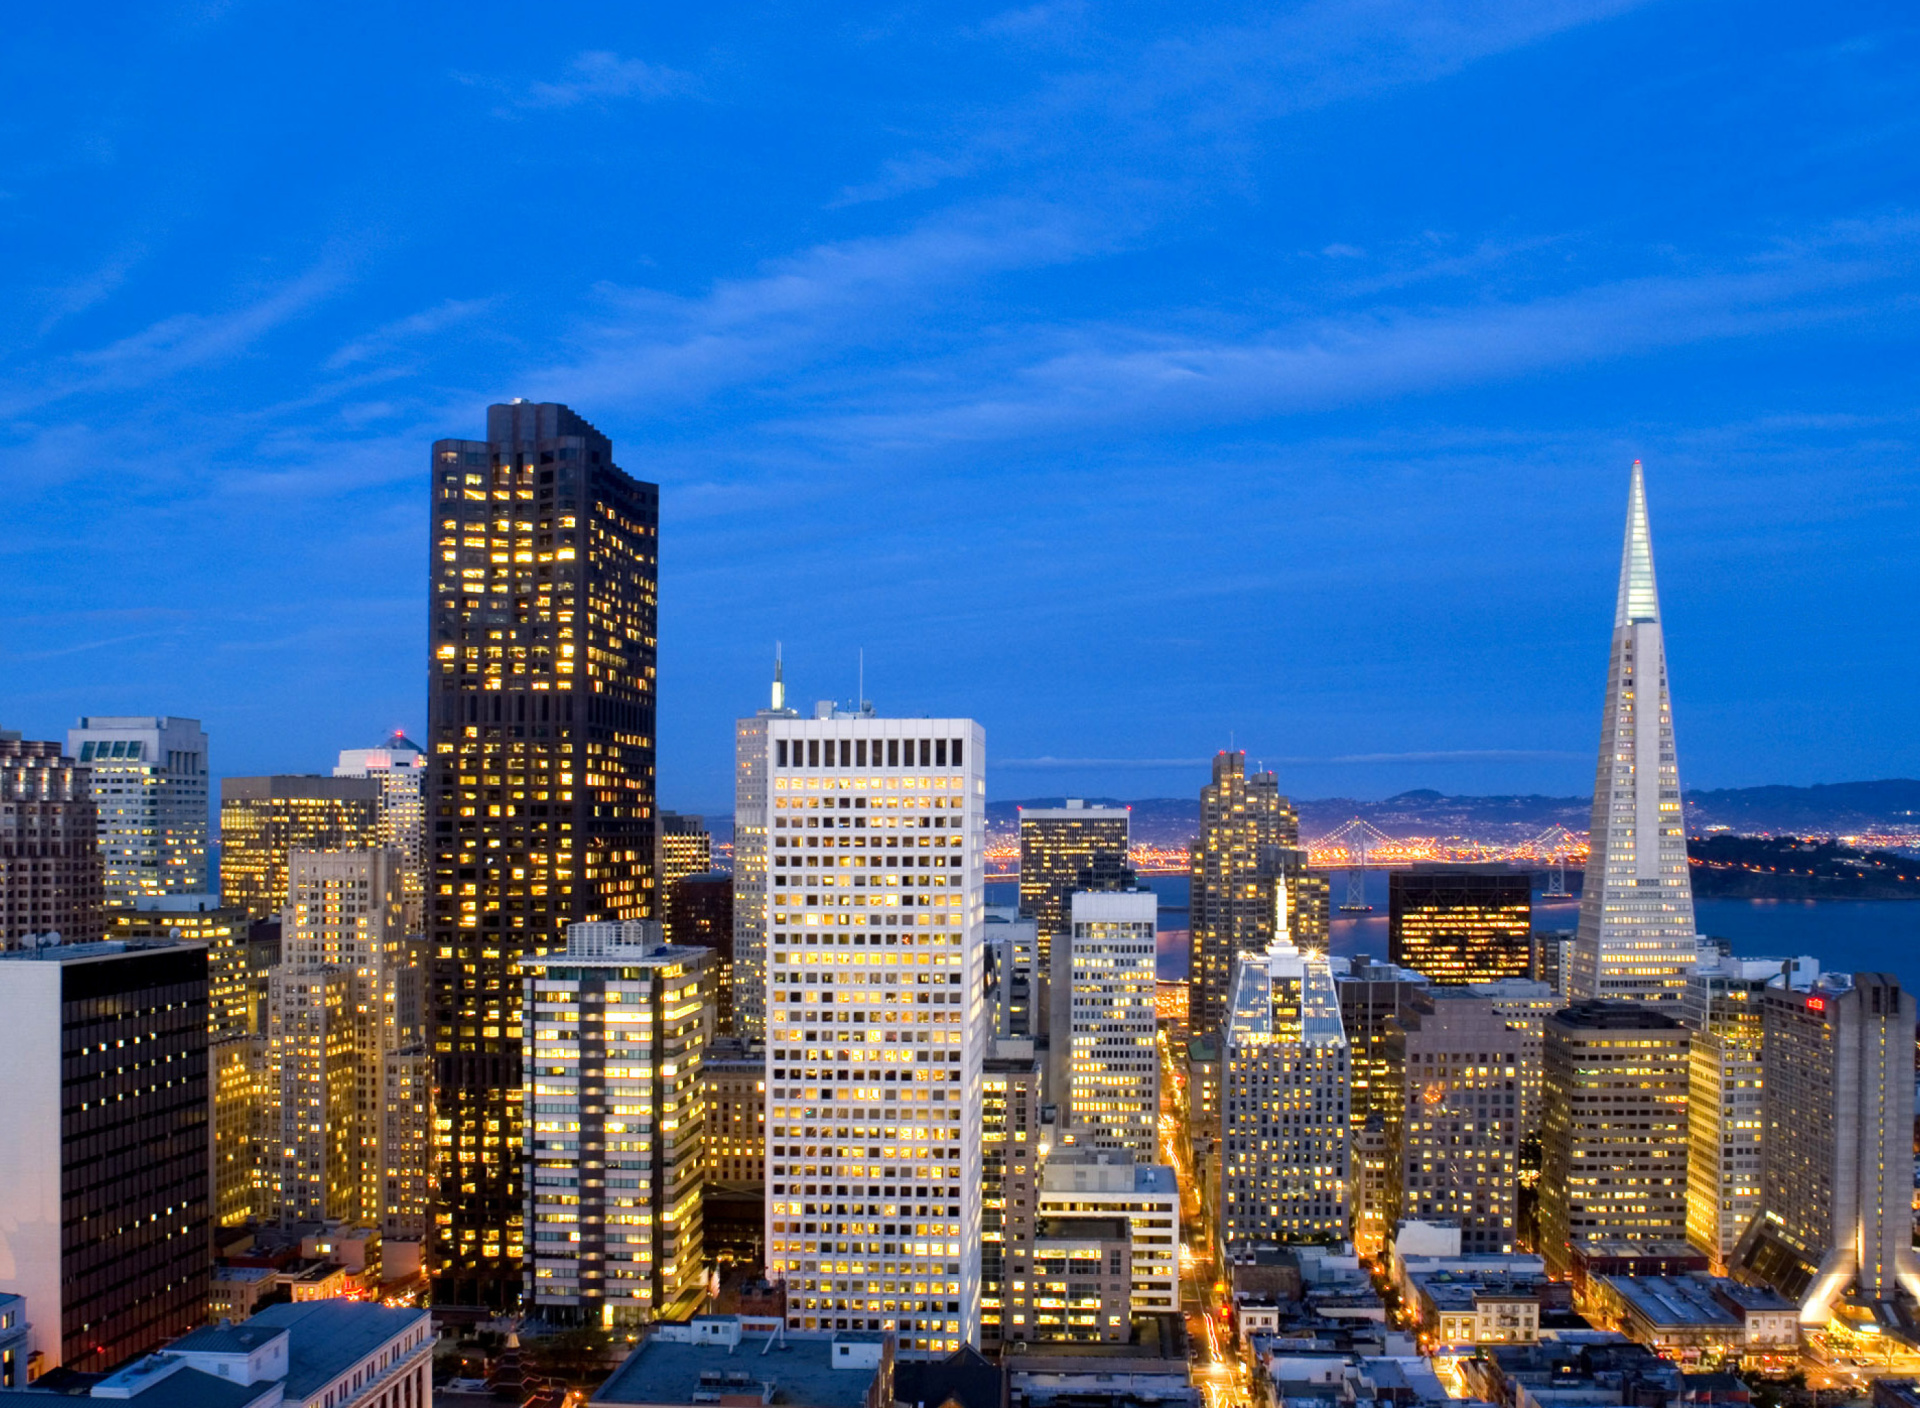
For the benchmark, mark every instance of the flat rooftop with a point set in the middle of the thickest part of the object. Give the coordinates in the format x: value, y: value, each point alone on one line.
x: 795, y: 1372
x: 331, y: 1336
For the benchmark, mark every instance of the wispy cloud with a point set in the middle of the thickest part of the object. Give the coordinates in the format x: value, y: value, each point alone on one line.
x: 596, y: 76
x: 399, y: 333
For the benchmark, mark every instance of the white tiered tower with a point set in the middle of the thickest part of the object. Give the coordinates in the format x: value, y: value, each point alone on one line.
x: 1636, y: 938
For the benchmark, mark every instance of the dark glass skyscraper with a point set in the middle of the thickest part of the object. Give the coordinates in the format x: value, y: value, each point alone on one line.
x: 1461, y: 924
x: 545, y: 571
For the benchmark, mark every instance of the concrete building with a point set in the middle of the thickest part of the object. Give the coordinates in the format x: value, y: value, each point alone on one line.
x: 717, y: 1359
x: 1092, y: 1184
x: 1374, y: 997
x: 320, y: 1354
x: 1461, y: 923
x: 264, y: 820
x: 1082, y: 1280
x: 1724, y: 1121
x: 1284, y: 1157
x: 17, y: 1364
x: 1248, y: 847
x: 1696, y: 1316
x: 1524, y: 1004
x: 50, y: 877
x: 1064, y: 849
x: 877, y: 1023
x: 1636, y: 937
x: 1837, y: 1152
x: 1014, y: 982
x: 1106, y: 1067
x: 1014, y: 1142
x: 150, y: 801
x: 700, y: 915
x: 1613, y: 1162
x: 1553, y: 963
x: 752, y: 830
x: 1453, y: 1137
x: 733, y: 1084
x: 334, y: 1019
x: 106, y: 1226
x: 617, y: 1027
x: 400, y: 767
x: 1461, y: 1310
x: 682, y: 846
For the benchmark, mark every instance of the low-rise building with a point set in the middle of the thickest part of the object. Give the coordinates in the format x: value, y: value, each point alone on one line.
x: 1080, y: 1184
x: 1704, y: 1317
x: 16, y: 1349
x: 733, y: 1359
x: 237, y: 1291
x: 1455, y: 1309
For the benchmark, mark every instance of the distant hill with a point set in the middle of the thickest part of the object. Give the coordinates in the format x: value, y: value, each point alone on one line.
x: 1828, y: 809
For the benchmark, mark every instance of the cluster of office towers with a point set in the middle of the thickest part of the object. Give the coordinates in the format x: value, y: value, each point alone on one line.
x: 434, y: 996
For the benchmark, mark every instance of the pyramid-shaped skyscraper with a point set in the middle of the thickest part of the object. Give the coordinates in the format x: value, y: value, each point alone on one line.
x: 1636, y: 939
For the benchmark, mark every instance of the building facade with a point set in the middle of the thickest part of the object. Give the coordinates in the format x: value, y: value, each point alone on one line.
x: 1613, y: 1139
x: 1524, y: 1004
x: 1285, y: 1092
x: 1108, y: 1068
x: 1248, y: 846
x: 50, y: 875
x: 107, y: 1232
x: 1086, y: 1183
x: 1374, y: 999
x: 264, y: 820
x: 733, y: 1078
x: 1064, y: 849
x: 1636, y: 937
x: 877, y: 1024
x: 1460, y: 923
x: 752, y: 818
x: 1837, y: 1152
x: 1454, y: 1140
x: 618, y: 1026
x: 150, y: 801
x: 1013, y: 1147
x: 700, y: 915
x: 684, y: 847
x: 400, y: 767
x: 540, y: 784
x: 1724, y: 1119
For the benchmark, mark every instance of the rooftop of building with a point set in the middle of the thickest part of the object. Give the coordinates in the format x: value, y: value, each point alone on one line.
x: 966, y: 1378
x: 1627, y: 1249
x: 328, y: 1337
x: 243, y: 1273
x: 161, y: 1381
x: 93, y: 952
x: 1083, y: 1229
x: 794, y: 1370
x: 1614, y: 1017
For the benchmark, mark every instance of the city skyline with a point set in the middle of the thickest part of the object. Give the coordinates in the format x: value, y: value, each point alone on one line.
x: 1395, y: 349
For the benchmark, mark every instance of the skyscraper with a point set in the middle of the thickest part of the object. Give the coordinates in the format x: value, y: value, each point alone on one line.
x: 1461, y: 923
x: 150, y: 793
x: 1724, y: 1122
x: 540, y: 787
x: 105, y: 1163
x: 1373, y: 997
x: 618, y: 1024
x: 1284, y: 1161
x: 1454, y: 1136
x: 1249, y: 846
x: 49, y: 846
x: 700, y: 914
x: 334, y: 1018
x: 1108, y: 1083
x: 1837, y: 1157
x: 1064, y: 849
x: 264, y: 820
x: 1013, y: 1143
x: 1613, y: 1144
x: 752, y: 804
x: 400, y: 767
x: 685, y: 848
x: 877, y: 1023
x: 1636, y: 936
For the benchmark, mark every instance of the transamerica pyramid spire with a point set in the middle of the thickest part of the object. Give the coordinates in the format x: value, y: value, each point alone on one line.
x: 1636, y: 937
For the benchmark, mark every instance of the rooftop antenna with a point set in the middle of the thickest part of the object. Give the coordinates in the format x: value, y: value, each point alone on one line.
x: 779, y: 682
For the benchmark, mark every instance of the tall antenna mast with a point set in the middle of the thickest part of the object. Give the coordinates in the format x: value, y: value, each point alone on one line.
x: 779, y: 682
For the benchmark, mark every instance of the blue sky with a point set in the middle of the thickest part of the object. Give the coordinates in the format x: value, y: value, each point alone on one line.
x: 1127, y: 378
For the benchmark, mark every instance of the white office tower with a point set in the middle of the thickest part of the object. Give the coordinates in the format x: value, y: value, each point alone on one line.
x: 877, y: 1024
x: 617, y: 1028
x: 1283, y: 1103
x: 1107, y: 1070
x: 400, y: 767
x: 150, y: 790
x: 752, y: 793
x: 334, y: 1005
x: 1636, y: 937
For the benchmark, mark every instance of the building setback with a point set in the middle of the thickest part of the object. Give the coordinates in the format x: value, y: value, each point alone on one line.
x: 877, y: 1024
x: 264, y: 820
x: 50, y: 879
x: 544, y: 565
x: 1461, y: 924
x: 1636, y: 937
x: 106, y: 1173
x: 400, y: 767
x: 1837, y: 1158
x: 150, y: 795
x: 1248, y: 847
x: 1613, y: 1145
x: 617, y: 1027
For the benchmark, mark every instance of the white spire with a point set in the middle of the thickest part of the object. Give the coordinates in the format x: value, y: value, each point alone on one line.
x: 779, y: 684
x: 1639, y: 599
